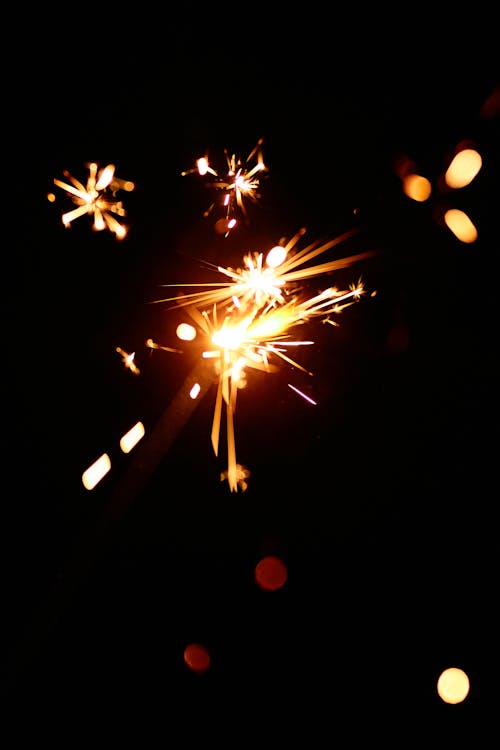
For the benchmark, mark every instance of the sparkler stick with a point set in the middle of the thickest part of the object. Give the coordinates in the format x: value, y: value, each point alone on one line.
x: 151, y: 452
x: 92, y: 543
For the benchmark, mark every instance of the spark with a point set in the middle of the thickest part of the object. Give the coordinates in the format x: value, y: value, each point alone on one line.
x: 128, y: 360
x: 153, y: 345
x: 307, y: 398
x: 247, y: 323
x: 239, y: 183
x: 237, y: 476
x: 97, y: 197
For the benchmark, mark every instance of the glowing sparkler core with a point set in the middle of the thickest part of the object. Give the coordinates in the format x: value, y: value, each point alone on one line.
x: 249, y: 319
x: 97, y: 197
x: 241, y: 182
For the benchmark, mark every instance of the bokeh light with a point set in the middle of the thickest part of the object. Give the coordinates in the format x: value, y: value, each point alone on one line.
x: 197, y: 658
x: 463, y: 168
x: 460, y: 225
x: 453, y: 685
x: 270, y: 573
x: 96, y: 471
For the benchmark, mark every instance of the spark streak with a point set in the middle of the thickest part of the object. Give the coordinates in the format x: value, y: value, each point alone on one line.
x: 307, y: 398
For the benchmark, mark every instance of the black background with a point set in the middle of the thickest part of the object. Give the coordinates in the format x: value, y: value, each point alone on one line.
x: 380, y: 500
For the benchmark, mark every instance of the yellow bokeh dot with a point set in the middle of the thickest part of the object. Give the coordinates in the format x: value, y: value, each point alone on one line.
x: 453, y: 685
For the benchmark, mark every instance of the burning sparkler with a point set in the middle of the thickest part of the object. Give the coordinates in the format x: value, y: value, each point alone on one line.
x: 240, y: 183
x: 249, y: 318
x: 97, y: 197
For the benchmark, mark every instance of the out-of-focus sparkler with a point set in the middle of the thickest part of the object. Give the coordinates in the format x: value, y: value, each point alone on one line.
x: 237, y: 185
x: 248, y: 321
x: 97, y: 197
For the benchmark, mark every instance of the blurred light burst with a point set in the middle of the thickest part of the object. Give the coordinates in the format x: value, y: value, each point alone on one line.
x: 96, y: 197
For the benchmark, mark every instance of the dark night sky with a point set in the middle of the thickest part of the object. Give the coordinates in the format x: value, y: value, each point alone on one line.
x: 379, y: 499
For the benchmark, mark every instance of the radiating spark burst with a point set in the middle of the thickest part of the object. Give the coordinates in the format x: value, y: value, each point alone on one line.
x: 248, y: 321
x: 239, y: 183
x: 262, y: 282
x: 97, y: 197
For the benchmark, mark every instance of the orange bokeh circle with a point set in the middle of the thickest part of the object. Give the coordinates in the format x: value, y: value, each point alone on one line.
x: 270, y: 573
